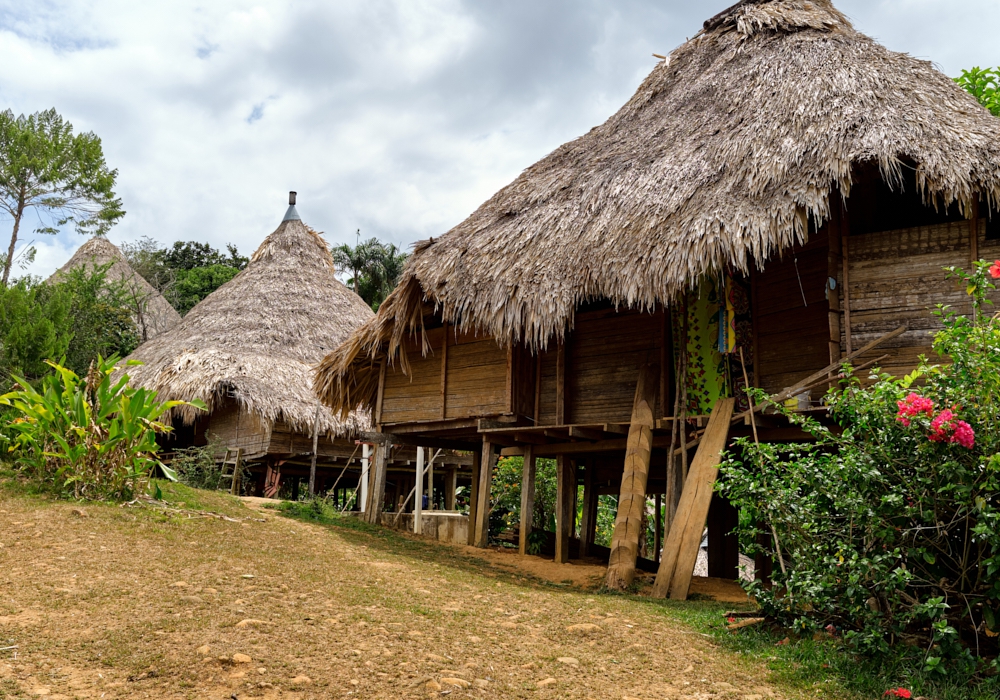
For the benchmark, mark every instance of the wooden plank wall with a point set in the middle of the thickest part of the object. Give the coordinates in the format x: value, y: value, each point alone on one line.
x: 234, y: 428
x: 897, y: 277
x: 474, y: 382
x: 603, y: 355
x: 793, y: 337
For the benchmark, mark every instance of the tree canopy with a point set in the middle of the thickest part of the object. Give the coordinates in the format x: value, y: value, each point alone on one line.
x: 186, y: 272
x: 984, y: 85
x: 46, y: 167
x: 373, y: 267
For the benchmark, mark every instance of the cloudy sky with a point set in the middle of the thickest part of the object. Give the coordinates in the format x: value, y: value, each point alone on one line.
x: 396, y: 117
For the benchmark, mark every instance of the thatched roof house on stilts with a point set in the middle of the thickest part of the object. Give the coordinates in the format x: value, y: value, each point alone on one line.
x: 780, y: 191
x: 152, y: 313
x: 248, y: 351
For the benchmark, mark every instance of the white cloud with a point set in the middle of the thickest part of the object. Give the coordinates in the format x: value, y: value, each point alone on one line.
x: 398, y: 117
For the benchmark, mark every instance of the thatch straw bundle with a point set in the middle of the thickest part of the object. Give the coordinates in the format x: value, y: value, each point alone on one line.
x: 727, y: 150
x: 258, y: 337
x: 152, y: 313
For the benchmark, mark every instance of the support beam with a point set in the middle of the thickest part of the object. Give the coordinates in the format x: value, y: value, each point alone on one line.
x: 488, y: 463
x: 450, y: 486
x: 474, y: 496
x: 684, y: 540
x: 366, y: 453
x: 632, y: 501
x: 657, y: 526
x: 418, y: 503
x: 587, y: 517
x: 527, y: 498
x: 565, y: 482
x: 377, y: 500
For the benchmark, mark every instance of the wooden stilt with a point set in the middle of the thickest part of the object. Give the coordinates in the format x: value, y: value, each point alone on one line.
x: 657, y: 526
x: 684, y: 540
x: 588, y: 510
x: 474, y: 496
x: 565, y: 481
x: 377, y: 500
x: 487, y: 464
x: 632, y: 501
x: 527, y: 498
x: 450, y: 486
x: 418, y: 504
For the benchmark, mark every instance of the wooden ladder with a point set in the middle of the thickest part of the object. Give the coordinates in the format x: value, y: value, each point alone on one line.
x: 232, y: 468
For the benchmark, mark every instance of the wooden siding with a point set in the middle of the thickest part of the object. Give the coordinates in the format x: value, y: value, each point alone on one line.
x: 793, y: 337
x: 234, y: 428
x: 898, y: 277
x: 475, y: 381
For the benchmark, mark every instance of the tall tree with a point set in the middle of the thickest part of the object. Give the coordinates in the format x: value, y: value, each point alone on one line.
x: 44, y: 166
x: 376, y: 268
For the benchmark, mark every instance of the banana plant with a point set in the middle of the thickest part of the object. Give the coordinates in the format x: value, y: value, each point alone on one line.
x: 92, y: 437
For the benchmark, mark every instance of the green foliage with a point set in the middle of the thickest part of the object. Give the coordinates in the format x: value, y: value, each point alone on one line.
x: 197, y: 467
x: 34, y: 327
x: 186, y: 272
x: 90, y: 438
x: 375, y: 268
x: 48, y: 168
x: 890, y: 530
x: 984, y: 85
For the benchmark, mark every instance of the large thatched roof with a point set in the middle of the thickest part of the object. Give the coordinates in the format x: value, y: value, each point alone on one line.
x: 727, y: 149
x: 258, y: 337
x: 153, y: 313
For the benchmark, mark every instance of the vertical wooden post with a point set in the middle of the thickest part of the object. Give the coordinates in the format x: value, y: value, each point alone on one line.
x: 833, y: 270
x: 487, y: 464
x: 312, y: 463
x: 632, y: 501
x: 527, y: 498
x: 974, y: 230
x: 365, y: 463
x: 561, y: 384
x: 444, y: 372
x: 377, y: 500
x: 657, y: 527
x: 450, y: 486
x: 430, y: 482
x: 565, y: 480
x: 418, y: 495
x: 587, y: 516
x: 477, y: 458
x: 845, y: 251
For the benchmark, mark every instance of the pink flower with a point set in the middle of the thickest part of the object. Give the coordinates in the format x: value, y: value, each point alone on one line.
x: 898, y: 693
x: 912, y: 406
x: 995, y: 270
x: 964, y: 435
x: 941, y: 426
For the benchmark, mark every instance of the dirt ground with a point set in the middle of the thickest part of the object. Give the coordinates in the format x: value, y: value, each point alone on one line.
x: 131, y: 602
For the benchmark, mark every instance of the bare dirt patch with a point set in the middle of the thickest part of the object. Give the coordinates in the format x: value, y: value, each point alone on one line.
x: 275, y: 608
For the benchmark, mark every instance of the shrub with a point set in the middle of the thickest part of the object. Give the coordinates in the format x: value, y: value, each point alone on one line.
x: 197, y: 466
x: 889, y: 530
x: 90, y: 438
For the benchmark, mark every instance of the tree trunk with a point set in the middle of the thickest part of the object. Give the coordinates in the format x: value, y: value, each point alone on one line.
x: 13, y: 240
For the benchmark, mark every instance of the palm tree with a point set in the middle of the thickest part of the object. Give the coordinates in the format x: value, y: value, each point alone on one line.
x: 376, y: 268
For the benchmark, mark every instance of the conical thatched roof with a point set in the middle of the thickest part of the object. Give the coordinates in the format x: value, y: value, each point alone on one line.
x: 258, y: 337
x: 153, y: 313
x: 722, y: 156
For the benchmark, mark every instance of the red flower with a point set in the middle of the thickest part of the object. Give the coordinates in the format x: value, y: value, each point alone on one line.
x: 912, y: 406
x: 995, y: 270
x: 898, y: 693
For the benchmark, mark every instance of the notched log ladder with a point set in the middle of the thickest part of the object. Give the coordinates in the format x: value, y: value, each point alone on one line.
x: 628, y: 522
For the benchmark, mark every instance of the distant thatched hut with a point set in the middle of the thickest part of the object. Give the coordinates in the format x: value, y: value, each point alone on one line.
x: 151, y: 312
x: 248, y: 351
x: 780, y: 184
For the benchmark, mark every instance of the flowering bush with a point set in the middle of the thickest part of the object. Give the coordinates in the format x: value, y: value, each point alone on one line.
x: 887, y: 525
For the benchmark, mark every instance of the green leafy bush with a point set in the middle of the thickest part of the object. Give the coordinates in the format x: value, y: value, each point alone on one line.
x: 889, y: 530
x: 91, y: 438
x: 982, y: 83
